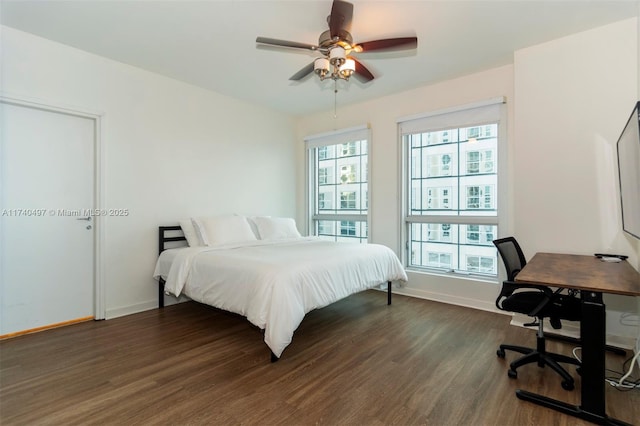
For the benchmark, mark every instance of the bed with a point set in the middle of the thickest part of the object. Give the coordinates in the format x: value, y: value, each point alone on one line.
x: 274, y: 281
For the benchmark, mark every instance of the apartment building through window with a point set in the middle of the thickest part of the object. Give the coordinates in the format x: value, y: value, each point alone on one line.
x: 451, y: 189
x: 338, y: 185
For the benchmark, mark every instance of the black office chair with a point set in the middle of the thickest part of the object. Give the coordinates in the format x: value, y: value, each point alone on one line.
x: 537, y: 301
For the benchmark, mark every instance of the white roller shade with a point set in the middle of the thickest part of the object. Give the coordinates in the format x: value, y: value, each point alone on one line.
x: 337, y: 137
x: 464, y: 116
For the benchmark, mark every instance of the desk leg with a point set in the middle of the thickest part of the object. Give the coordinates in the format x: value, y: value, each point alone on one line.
x: 592, y: 335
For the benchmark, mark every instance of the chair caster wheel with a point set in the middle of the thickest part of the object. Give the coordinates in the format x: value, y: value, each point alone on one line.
x: 567, y: 385
x: 513, y: 374
x: 500, y: 353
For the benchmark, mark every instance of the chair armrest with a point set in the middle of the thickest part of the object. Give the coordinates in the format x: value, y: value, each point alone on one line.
x: 516, y: 285
x: 509, y: 287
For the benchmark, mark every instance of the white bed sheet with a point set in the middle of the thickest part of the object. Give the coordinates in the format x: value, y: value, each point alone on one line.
x: 275, y: 283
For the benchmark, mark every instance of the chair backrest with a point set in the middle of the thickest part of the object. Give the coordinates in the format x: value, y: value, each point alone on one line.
x: 512, y: 256
x: 513, y: 259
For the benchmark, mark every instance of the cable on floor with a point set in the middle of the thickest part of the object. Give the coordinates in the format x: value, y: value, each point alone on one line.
x: 619, y: 381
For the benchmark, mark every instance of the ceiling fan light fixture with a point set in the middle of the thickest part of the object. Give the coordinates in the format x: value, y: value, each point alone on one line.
x: 337, y: 56
x: 348, y: 68
x: 321, y: 67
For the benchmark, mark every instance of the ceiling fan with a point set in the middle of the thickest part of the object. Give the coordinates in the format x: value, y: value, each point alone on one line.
x: 336, y: 45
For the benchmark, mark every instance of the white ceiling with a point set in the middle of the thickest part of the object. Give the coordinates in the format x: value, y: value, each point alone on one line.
x: 211, y: 43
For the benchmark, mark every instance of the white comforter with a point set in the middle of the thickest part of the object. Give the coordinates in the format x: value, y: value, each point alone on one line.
x: 275, y: 283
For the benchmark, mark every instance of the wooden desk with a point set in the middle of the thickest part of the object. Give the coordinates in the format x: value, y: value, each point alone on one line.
x: 592, y: 277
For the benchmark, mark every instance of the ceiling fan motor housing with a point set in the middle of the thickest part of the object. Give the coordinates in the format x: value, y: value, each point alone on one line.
x: 343, y: 40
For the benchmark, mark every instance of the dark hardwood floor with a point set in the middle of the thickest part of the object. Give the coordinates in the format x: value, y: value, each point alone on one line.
x: 356, y: 362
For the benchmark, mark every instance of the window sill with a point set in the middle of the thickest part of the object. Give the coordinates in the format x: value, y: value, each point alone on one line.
x: 454, y: 275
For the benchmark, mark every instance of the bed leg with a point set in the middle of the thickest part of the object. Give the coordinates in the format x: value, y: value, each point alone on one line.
x: 161, y: 293
x: 388, y: 292
x: 274, y: 358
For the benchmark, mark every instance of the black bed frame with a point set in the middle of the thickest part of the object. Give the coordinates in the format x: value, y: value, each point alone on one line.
x: 176, y: 233
x: 163, y: 239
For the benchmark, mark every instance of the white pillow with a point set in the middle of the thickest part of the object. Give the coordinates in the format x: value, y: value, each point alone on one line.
x: 223, y: 230
x: 190, y: 233
x: 252, y: 223
x: 276, y: 228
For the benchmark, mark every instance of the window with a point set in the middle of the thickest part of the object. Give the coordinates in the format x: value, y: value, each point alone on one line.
x: 348, y: 173
x: 473, y: 197
x: 349, y: 148
x: 348, y: 228
x: 324, y: 201
x: 326, y: 228
x: 347, y: 200
x: 338, y: 187
x: 481, y: 264
x: 451, y: 189
x: 487, y: 162
x: 323, y: 152
x: 325, y: 176
x: 439, y: 260
x: 473, y: 162
x: 439, y: 232
x: 479, y: 162
x: 438, y: 198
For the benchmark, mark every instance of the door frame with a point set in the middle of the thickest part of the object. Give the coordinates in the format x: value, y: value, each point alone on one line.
x: 99, y: 305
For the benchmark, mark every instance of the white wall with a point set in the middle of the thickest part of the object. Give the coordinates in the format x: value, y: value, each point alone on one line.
x: 171, y: 151
x: 573, y: 97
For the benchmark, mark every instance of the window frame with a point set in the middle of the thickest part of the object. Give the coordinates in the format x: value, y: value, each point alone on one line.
x: 361, y: 213
x: 456, y: 117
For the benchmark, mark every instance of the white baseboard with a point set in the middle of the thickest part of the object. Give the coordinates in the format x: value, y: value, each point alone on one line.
x: 131, y: 309
x: 447, y: 298
x: 141, y: 307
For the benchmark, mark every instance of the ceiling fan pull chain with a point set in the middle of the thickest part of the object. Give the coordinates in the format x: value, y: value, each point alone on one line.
x: 335, y: 99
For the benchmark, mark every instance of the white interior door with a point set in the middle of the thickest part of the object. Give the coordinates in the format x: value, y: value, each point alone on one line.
x: 47, y: 253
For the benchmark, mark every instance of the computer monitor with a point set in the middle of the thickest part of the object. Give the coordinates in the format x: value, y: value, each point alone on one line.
x: 628, y: 148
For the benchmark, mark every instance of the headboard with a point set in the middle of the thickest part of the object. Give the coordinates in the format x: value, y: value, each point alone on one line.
x: 167, y: 234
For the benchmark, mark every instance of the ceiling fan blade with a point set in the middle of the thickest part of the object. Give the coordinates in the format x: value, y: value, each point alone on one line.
x: 340, y: 18
x: 303, y: 72
x: 361, y: 72
x: 400, y: 43
x: 285, y: 43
